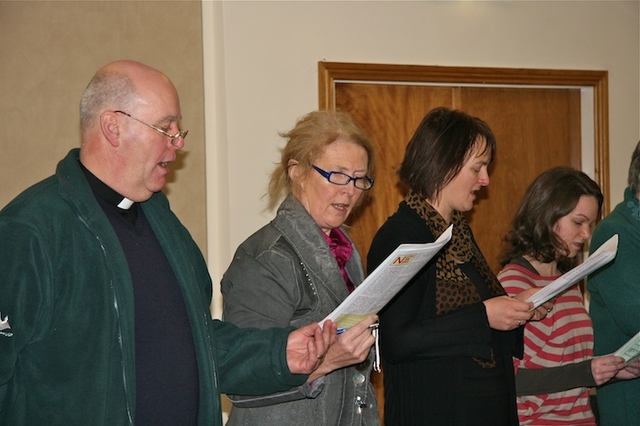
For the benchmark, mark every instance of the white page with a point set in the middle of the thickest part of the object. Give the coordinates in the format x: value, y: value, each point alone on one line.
x: 631, y: 349
x: 386, y: 281
x: 605, y: 254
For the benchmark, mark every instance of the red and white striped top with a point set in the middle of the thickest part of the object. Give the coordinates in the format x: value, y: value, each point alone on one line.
x: 565, y: 336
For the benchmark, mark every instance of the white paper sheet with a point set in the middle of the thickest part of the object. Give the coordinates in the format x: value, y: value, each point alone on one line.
x: 386, y: 281
x: 631, y: 349
x: 605, y: 254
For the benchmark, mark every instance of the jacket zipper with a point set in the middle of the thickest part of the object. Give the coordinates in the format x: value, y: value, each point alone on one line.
x: 117, y: 311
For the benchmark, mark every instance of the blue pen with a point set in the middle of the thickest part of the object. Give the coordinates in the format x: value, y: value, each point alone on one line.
x: 342, y: 330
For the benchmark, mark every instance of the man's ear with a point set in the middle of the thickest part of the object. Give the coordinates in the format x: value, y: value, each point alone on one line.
x: 110, y: 127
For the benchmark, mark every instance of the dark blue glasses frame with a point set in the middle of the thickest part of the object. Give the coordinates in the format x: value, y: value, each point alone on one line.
x: 338, y: 178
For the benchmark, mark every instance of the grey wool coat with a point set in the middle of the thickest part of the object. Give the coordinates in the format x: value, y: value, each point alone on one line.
x: 285, y: 275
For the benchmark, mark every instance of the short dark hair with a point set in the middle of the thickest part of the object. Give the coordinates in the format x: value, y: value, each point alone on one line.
x: 551, y: 196
x: 441, y: 145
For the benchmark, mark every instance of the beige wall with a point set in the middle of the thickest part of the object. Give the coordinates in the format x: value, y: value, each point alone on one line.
x: 49, y: 52
x: 264, y: 75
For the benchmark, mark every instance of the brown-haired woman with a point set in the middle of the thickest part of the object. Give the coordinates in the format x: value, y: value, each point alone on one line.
x: 448, y: 338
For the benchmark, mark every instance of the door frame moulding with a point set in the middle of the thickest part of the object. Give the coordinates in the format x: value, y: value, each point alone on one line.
x: 594, y: 83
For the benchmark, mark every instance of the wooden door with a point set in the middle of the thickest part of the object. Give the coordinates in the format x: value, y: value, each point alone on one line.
x: 526, y: 147
x: 536, y: 128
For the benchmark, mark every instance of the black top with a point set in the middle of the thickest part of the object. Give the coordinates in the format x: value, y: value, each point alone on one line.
x: 166, y: 369
x: 433, y: 364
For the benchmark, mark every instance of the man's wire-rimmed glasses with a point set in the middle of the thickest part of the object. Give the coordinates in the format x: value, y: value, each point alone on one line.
x: 338, y: 178
x: 174, y: 138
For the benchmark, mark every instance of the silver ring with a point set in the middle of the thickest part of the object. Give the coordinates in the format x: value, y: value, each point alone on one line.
x: 519, y: 323
x: 548, y: 310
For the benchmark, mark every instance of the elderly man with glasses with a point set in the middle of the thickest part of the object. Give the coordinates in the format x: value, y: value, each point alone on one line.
x: 104, y: 295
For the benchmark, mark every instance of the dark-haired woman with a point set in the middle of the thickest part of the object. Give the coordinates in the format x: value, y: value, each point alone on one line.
x: 552, y: 225
x: 448, y: 338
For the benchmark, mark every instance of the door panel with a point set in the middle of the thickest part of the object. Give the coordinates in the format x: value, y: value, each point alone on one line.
x: 535, y: 130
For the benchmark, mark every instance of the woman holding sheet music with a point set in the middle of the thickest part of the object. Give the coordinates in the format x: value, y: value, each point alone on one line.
x: 299, y: 267
x: 551, y: 227
x: 448, y: 338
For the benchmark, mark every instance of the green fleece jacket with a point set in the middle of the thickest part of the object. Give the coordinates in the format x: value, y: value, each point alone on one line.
x: 615, y: 308
x: 66, y: 313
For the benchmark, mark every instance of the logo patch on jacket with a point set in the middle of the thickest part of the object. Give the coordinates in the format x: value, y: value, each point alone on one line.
x: 5, y: 328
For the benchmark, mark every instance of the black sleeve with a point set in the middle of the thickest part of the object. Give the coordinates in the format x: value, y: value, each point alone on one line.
x: 530, y: 381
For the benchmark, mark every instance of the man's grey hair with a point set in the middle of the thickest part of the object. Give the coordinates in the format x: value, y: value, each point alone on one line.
x: 106, y: 90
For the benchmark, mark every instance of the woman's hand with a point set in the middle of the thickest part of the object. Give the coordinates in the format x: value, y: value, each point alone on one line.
x: 606, y: 367
x: 631, y: 371
x: 506, y: 313
x: 350, y: 347
x: 542, y: 310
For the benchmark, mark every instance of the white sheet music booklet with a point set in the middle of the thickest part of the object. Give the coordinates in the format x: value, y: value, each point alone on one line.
x: 386, y: 281
x: 605, y: 254
x: 631, y: 349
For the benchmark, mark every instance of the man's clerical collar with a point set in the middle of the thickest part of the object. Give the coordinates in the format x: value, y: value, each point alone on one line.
x: 106, y: 193
x: 125, y: 204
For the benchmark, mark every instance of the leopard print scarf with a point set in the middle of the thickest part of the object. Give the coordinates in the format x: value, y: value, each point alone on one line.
x: 453, y: 288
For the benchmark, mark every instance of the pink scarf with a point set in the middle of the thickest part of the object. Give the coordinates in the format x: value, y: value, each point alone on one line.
x: 341, y: 248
